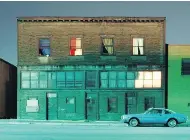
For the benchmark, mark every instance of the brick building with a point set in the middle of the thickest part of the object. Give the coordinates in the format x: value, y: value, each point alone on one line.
x: 178, y: 78
x: 74, y: 68
x: 8, y: 90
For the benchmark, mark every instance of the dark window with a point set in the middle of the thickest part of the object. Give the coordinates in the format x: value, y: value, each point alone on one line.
x: 107, y: 46
x: 185, y: 68
x: 112, y: 104
x: 149, y: 102
x: 167, y: 112
x: 44, y: 47
x: 91, y: 79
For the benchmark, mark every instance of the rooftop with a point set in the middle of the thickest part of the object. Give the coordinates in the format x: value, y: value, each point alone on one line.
x: 90, y: 19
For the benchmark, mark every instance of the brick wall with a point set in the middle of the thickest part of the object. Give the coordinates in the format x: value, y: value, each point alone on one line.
x: 60, y: 33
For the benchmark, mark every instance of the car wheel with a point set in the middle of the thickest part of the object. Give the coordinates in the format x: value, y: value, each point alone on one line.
x: 133, y: 122
x: 172, y: 123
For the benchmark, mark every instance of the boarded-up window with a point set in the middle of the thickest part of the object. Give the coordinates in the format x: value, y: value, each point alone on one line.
x: 138, y: 46
x: 185, y: 68
x: 44, y: 47
x: 107, y: 46
x: 75, y: 46
x: 32, y: 105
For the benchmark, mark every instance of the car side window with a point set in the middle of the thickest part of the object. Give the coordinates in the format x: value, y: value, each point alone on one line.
x: 167, y: 112
x: 155, y: 111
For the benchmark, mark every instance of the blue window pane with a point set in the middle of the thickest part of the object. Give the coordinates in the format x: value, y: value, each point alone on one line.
x: 122, y: 75
x: 104, y: 83
x: 43, y: 75
x: 60, y: 76
x: 112, y: 75
x: 121, y: 83
x: 25, y: 84
x: 69, y: 76
x: 43, y: 84
x: 130, y: 83
x: 112, y: 83
x: 104, y: 75
x: 34, y: 84
x: 25, y: 75
x: 45, y: 42
x: 131, y: 75
x: 79, y: 76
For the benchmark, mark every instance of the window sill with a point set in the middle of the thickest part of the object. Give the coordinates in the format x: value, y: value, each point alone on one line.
x: 139, y: 57
x: 108, y: 57
x: 77, y: 57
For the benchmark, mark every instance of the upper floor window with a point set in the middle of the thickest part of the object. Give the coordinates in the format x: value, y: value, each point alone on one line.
x: 185, y: 68
x: 138, y: 46
x: 44, y: 47
x: 75, y: 46
x: 107, y: 46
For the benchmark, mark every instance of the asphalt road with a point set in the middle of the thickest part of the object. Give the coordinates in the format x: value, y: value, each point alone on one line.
x: 71, y: 132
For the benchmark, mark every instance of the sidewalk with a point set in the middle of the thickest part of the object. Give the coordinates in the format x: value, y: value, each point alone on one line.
x: 70, y: 122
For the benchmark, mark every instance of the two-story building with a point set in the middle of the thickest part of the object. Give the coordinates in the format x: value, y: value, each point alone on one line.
x: 80, y: 68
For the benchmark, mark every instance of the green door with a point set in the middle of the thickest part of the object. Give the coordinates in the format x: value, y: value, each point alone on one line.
x: 67, y: 107
x: 91, y: 106
x: 51, y: 106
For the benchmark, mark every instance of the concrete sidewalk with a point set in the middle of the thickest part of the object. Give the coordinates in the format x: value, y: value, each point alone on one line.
x: 71, y: 122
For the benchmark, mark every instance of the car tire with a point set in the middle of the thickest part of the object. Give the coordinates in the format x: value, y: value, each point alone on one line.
x: 133, y: 122
x: 171, y: 123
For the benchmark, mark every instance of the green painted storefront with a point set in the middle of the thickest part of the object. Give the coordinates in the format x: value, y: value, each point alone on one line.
x: 75, y: 92
x: 179, y: 78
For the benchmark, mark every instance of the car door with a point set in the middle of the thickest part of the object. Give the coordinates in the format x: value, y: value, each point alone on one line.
x: 149, y: 116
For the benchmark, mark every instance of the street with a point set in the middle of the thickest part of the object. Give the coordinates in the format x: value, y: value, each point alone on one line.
x: 91, y: 132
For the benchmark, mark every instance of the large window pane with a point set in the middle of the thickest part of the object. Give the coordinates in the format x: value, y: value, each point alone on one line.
x: 156, y: 83
x: 70, y: 79
x: 112, y: 75
x: 121, y: 83
x: 104, y: 83
x: 104, y: 75
x: 43, y: 76
x: 121, y: 75
x: 140, y: 75
x: 25, y: 84
x: 91, y: 79
x: 112, y: 83
x: 138, y: 83
x: 148, y: 75
x: 130, y: 83
x: 60, y: 76
x: 34, y: 76
x: 34, y: 84
x: 157, y: 75
x: 148, y: 83
x: 130, y: 75
x: 52, y: 80
x: 25, y: 75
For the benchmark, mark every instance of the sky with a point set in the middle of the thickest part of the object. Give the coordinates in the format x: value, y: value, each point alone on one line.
x: 176, y: 13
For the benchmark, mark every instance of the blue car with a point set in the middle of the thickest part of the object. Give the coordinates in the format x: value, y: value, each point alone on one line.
x: 155, y: 116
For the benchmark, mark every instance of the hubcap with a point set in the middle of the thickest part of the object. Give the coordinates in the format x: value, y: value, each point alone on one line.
x: 134, y: 122
x: 172, y: 123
